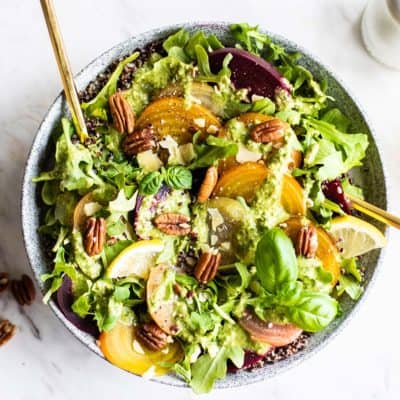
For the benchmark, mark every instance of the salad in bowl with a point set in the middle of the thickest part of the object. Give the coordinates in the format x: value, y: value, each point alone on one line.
x: 202, y: 227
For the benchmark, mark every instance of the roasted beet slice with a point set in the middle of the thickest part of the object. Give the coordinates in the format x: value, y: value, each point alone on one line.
x: 64, y: 300
x: 251, y: 360
x: 333, y: 190
x: 250, y: 72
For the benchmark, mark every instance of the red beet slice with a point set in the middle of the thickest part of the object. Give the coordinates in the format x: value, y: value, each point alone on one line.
x: 250, y: 72
x: 333, y: 190
x: 64, y: 300
x: 251, y: 360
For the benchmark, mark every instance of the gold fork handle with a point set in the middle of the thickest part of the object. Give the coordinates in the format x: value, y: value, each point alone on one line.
x: 64, y: 68
x: 374, y: 212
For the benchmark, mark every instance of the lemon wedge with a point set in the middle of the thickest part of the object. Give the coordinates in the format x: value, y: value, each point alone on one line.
x: 136, y: 259
x: 355, y: 236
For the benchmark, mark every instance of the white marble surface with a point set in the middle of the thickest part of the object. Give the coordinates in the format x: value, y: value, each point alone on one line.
x: 363, y: 362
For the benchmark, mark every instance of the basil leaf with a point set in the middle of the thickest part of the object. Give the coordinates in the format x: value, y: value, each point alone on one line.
x: 151, y: 183
x: 313, y: 312
x: 276, y: 260
x: 178, y: 177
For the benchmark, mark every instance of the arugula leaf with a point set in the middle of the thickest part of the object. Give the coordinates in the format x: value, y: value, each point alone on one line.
x: 276, y: 260
x: 206, y: 370
x: 97, y: 106
x: 81, y: 306
x: 253, y: 40
x: 313, y: 312
x: 201, y: 322
x: 178, y: 39
x: 62, y: 268
x: 351, y: 267
x: 212, y: 150
x: 263, y: 106
x: 349, y: 285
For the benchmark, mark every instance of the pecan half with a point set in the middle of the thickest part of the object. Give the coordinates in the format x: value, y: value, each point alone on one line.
x: 307, y: 241
x: 4, y: 281
x: 95, y: 236
x: 208, y: 185
x: 122, y: 114
x: 23, y: 290
x: 138, y: 141
x: 152, y: 337
x: 173, y: 224
x: 270, y: 131
x: 207, y: 267
x: 7, y: 331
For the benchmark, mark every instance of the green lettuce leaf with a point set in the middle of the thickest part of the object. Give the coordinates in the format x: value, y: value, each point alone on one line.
x: 352, y: 145
x: 212, y: 150
x: 348, y: 284
x: 74, y: 164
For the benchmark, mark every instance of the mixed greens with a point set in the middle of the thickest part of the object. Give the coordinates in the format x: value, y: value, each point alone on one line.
x: 181, y: 283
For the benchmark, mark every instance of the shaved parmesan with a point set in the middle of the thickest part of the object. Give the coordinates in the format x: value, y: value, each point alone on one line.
x: 91, y: 208
x: 149, y: 161
x: 216, y: 218
x: 245, y: 155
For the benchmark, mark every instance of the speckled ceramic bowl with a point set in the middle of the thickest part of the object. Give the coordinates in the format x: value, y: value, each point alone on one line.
x: 370, y: 177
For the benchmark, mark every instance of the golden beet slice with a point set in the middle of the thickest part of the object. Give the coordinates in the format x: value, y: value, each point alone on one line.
x: 241, y: 180
x: 121, y: 348
x: 169, y: 116
x: 245, y: 179
x: 292, y: 197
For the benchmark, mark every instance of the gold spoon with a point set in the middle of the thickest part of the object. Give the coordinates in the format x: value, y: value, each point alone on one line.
x: 374, y: 212
x: 64, y: 68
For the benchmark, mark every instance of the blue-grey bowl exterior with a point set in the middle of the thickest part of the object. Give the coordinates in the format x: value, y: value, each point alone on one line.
x: 370, y: 177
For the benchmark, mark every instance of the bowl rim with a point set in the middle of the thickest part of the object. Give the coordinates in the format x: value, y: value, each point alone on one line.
x: 250, y: 378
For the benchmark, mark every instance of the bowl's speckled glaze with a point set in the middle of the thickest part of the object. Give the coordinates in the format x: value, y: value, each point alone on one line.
x: 370, y: 178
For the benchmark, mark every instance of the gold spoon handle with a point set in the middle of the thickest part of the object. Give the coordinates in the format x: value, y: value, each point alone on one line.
x: 374, y: 212
x: 64, y: 68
